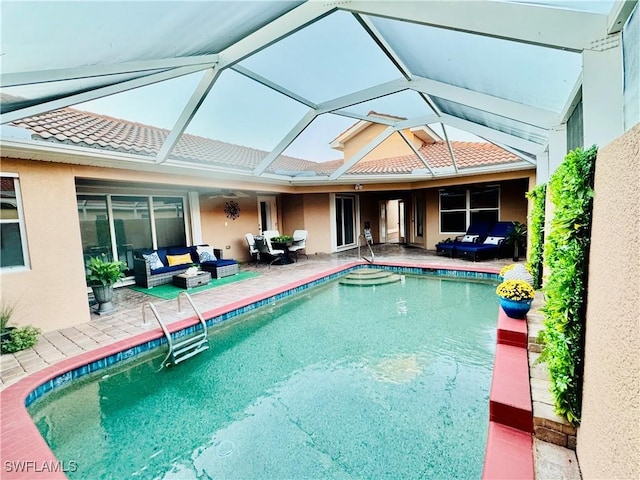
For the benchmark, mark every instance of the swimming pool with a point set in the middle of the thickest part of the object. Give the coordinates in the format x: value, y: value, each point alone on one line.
x: 340, y: 381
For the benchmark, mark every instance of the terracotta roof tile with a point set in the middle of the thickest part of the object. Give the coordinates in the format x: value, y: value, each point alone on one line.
x: 90, y: 129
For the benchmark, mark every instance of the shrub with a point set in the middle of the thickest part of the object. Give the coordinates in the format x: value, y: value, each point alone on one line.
x: 536, y: 232
x: 567, y: 253
x: 20, y: 339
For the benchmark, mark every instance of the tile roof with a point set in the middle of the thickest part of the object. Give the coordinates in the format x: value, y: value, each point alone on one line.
x: 88, y: 129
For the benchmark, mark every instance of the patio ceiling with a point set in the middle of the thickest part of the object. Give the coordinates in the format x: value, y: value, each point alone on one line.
x: 289, y: 75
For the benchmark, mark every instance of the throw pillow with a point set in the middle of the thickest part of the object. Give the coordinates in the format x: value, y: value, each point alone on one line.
x: 470, y: 238
x: 209, y: 257
x: 493, y: 240
x: 154, y: 260
x: 179, y: 259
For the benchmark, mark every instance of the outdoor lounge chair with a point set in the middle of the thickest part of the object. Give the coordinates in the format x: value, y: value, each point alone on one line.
x: 475, y: 233
x: 493, y: 246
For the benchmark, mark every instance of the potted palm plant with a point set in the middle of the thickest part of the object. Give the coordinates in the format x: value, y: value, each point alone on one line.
x: 100, y: 277
x: 517, y: 238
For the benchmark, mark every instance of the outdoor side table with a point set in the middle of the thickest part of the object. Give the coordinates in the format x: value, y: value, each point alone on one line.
x: 190, y: 281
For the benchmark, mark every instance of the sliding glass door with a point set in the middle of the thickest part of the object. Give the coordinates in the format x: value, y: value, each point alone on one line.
x: 345, y: 221
x: 118, y: 226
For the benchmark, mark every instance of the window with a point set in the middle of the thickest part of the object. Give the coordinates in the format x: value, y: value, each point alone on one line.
x: 131, y: 223
x: 460, y: 207
x: 13, y: 244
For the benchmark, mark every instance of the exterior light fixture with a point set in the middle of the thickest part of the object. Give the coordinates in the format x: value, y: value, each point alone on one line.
x: 358, y: 186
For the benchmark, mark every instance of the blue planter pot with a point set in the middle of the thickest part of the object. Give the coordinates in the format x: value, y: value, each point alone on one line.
x: 515, y: 309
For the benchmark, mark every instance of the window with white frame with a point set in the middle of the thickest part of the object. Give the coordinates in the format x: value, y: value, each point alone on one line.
x: 461, y: 207
x: 13, y: 240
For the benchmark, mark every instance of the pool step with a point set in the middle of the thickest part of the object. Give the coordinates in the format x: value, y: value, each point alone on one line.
x: 367, y: 277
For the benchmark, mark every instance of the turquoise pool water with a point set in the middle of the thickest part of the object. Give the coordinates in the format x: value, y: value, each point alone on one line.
x: 338, y: 382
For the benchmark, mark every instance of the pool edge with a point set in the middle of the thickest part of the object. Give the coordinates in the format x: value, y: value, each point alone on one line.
x: 30, y: 448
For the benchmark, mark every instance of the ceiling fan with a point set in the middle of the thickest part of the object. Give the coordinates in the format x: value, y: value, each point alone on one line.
x: 229, y: 194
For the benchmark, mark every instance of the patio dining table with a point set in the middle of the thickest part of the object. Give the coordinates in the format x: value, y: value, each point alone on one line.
x: 286, y: 258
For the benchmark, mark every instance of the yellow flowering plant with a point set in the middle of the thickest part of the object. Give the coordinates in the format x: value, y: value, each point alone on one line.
x: 516, y: 290
x: 511, y: 266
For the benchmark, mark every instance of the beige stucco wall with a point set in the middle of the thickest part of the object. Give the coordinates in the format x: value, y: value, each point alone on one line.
x: 292, y: 213
x: 317, y: 219
x: 227, y: 234
x: 609, y: 437
x: 393, y: 146
x: 52, y: 293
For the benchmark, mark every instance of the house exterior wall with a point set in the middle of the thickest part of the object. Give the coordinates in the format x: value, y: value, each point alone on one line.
x: 49, y: 192
x: 52, y: 293
x: 514, y: 206
x: 292, y: 214
x: 317, y: 219
x: 609, y: 437
x: 225, y: 233
x: 393, y: 146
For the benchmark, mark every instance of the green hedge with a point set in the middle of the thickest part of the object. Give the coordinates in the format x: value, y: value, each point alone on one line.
x: 536, y: 232
x: 567, y: 255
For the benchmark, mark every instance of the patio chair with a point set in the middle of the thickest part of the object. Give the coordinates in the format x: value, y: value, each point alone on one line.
x: 475, y: 233
x: 263, y: 244
x: 493, y: 246
x: 253, y: 251
x: 299, y: 243
x: 270, y: 234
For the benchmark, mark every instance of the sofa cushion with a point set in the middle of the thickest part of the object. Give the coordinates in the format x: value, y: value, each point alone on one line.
x: 162, y: 255
x: 205, y: 253
x: 183, y: 259
x: 174, y: 268
x: 154, y: 260
x: 221, y: 263
x: 493, y: 240
x: 178, y: 250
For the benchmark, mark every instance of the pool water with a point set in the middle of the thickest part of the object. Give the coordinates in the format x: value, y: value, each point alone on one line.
x: 337, y: 382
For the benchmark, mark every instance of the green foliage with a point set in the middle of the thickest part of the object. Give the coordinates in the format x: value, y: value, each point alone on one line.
x: 104, y: 273
x: 20, y: 339
x: 536, y: 232
x: 282, y: 239
x: 567, y: 253
x: 6, y: 311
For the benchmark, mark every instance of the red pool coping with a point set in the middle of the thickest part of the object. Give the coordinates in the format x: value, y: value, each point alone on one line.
x: 509, y: 452
x: 25, y: 455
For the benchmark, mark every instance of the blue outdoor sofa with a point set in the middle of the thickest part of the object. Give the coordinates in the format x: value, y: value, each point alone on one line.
x: 149, y: 277
x: 494, y: 245
x: 476, y: 232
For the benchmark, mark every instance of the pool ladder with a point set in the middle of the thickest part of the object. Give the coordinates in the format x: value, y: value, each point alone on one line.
x: 182, y: 349
x: 367, y: 238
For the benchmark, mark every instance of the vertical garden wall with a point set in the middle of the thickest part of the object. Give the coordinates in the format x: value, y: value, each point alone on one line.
x: 567, y: 254
x: 536, y: 232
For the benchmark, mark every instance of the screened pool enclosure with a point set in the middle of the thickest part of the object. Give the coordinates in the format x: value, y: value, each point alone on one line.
x: 285, y: 79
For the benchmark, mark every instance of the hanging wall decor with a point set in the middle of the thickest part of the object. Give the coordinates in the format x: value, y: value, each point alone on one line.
x: 232, y: 209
